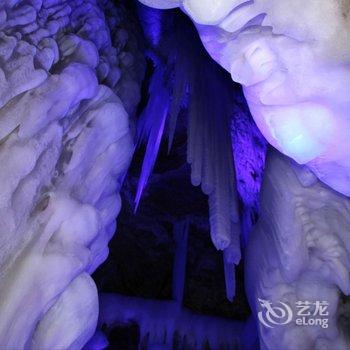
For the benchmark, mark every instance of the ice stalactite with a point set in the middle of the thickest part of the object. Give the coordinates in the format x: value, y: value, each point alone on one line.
x: 209, y: 151
x: 181, y: 78
x: 230, y: 280
x: 197, y: 84
x: 210, y: 155
x: 151, y: 127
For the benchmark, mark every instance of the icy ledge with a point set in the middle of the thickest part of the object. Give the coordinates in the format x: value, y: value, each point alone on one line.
x: 161, y: 322
x: 65, y: 143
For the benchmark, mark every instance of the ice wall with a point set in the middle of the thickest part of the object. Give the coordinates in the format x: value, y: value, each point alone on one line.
x: 70, y: 75
x: 299, y: 253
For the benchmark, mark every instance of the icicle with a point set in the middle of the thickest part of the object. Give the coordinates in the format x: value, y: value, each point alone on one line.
x: 179, y: 270
x: 197, y: 146
x: 208, y: 169
x: 231, y: 257
x: 211, y: 159
x: 211, y: 155
x: 151, y: 128
x: 209, y: 146
x: 179, y: 91
x: 220, y: 225
x: 190, y: 136
x: 230, y: 280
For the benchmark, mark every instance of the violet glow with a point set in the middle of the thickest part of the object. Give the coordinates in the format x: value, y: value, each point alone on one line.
x: 151, y: 128
x: 70, y: 84
x: 209, y: 148
x: 151, y: 21
x: 295, y: 73
x: 292, y: 59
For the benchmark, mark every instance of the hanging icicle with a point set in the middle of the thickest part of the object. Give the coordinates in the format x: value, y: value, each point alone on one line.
x: 178, y: 93
x: 210, y: 155
x: 209, y: 145
x: 151, y: 127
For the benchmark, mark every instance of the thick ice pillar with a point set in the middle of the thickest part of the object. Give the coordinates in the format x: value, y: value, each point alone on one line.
x: 297, y: 262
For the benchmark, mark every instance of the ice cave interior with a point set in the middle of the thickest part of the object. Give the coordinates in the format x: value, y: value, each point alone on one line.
x: 175, y: 174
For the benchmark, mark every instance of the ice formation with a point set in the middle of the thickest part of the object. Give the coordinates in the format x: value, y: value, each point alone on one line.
x: 299, y: 251
x: 293, y: 60
x: 209, y: 148
x: 162, y: 321
x: 70, y: 81
x: 151, y: 127
x: 65, y: 143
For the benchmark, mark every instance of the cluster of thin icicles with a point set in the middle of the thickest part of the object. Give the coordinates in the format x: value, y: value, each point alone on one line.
x: 200, y: 86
